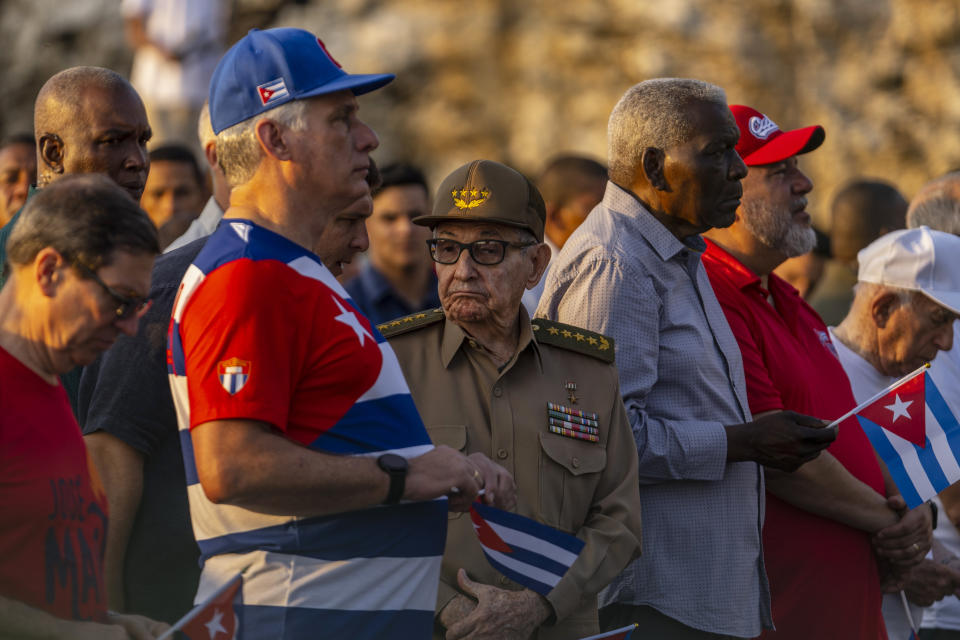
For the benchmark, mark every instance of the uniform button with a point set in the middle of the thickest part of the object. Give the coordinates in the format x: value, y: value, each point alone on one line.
x: 503, y: 580
x: 497, y: 391
x: 502, y: 454
x: 472, y: 343
x: 575, y: 462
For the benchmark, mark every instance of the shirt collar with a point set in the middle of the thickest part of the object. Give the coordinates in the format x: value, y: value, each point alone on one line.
x: 211, y: 215
x: 733, y: 269
x: 665, y: 244
x: 784, y: 295
x: 454, y: 338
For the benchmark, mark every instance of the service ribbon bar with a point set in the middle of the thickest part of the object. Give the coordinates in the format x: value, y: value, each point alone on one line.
x: 574, y: 426
x: 570, y: 433
x: 569, y: 418
x: 590, y: 418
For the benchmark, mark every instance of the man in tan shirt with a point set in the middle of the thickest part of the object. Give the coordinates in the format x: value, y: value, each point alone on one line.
x: 541, y: 398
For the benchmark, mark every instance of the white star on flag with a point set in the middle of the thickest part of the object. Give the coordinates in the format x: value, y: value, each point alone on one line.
x: 350, y: 319
x: 214, y: 627
x: 899, y: 409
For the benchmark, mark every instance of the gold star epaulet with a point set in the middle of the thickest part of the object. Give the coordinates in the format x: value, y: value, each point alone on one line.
x: 573, y: 338
x: 409, y: 323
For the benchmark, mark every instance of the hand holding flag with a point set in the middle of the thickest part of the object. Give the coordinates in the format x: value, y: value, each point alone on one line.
x: 527, y: 552
x: 915, y: 433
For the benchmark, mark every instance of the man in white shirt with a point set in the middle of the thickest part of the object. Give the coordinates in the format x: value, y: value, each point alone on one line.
x: 205, y: 224
x: 937, y: 206
x: 177, y: 44
x: 904, y: 308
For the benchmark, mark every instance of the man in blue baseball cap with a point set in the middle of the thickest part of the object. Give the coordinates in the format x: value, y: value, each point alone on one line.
x: 308, y: 467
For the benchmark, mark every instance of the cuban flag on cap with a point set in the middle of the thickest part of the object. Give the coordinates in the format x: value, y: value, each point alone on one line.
x: 527, y: 552
x: 917, y: 434
x: 272, y: 91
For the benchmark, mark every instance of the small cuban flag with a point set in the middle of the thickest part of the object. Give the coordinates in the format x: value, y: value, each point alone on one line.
x: 217, y: 618
x: 917, y: 435
x: 527, y: 552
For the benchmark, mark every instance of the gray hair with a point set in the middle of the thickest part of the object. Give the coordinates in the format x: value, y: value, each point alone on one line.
x: 238, y: 150
x: 651, y: 114
x: 867, y: 290
x: 204, y: 127
x: 937, y: 205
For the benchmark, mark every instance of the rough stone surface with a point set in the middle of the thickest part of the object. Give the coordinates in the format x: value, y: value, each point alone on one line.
x: 519, y: 82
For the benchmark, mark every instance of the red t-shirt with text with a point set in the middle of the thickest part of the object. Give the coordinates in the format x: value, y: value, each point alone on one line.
x: 53, y: 511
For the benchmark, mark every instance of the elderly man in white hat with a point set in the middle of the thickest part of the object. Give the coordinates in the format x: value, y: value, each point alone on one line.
x: 905, y: 303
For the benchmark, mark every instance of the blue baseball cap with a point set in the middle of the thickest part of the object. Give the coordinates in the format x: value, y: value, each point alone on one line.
x: 266, y: 69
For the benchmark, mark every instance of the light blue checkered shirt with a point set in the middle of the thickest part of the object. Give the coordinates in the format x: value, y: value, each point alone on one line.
x: 622, y: 273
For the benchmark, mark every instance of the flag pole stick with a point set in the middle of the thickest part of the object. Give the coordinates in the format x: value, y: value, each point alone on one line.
x: 906, y: 610
x: 878, y: 395
x: 608, y: 634
x: 193, y: 613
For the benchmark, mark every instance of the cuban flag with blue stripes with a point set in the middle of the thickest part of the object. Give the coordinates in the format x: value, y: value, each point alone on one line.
x: 916, y: 433
x: 527, y: 552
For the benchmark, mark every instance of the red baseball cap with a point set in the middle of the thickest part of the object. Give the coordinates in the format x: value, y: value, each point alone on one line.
x: 762, y: 142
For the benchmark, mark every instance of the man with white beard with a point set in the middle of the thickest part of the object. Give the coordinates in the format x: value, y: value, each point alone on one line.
x: 824, y: 577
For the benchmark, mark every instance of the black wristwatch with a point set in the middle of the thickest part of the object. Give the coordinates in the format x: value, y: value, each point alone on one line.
x: 934, y: 512
x: 396, y: 467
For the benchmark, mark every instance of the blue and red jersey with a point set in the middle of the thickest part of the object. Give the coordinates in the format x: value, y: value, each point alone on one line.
x: 262, y: 331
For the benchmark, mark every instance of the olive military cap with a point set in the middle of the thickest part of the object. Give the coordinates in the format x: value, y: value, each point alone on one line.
x: 487, y: 191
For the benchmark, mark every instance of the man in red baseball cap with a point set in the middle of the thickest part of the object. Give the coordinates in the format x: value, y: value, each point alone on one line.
x: 823, y: 573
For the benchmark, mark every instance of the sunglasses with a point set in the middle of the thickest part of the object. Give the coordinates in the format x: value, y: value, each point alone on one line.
x: 485, y: 252
x: 127, y: 306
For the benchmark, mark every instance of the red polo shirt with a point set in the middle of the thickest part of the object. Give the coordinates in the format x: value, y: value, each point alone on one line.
x: 823, y: 575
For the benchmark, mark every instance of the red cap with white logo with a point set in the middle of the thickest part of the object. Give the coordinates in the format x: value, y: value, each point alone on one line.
x: 762, y: 141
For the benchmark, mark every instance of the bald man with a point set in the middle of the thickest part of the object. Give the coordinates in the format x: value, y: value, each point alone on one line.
x: 89, y: 120
x: 862, y: 211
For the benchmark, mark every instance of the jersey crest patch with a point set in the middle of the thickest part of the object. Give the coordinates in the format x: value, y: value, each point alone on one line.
x: 233, y: 374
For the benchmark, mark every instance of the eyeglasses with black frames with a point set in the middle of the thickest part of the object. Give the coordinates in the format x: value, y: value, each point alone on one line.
x: 485, y: 252
x: 127, y: 306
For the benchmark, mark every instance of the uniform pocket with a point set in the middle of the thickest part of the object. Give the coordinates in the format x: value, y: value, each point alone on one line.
x: 452, y: 435
x: 569, y: 472
x: 575, y: 456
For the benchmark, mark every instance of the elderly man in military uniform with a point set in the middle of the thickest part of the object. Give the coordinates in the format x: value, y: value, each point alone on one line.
x: 540, y: 398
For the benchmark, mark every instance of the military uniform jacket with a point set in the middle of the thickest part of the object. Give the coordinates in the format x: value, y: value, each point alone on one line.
x: 565, y: 479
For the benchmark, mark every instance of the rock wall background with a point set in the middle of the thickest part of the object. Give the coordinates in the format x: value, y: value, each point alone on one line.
x: 519, y: 82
